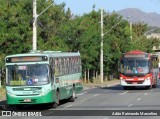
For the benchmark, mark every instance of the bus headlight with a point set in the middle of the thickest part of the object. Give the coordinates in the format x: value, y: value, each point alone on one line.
x: 148, y: 78
x: 10, y: 94
x: 121, y: 79
x: 45, y: 92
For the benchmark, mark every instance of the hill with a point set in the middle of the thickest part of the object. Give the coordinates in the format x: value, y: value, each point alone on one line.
x: 152, y: 19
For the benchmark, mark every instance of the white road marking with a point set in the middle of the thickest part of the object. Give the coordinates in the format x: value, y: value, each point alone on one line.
x: 146, y: 94
x: 124, y: 93
x: 96, y: 94
x: 139, y: 99
x: 130, y: 105
x: 80, y: 94
x: 68, y: 105
x: 106, y: 91
x: 106, y: 118
x: 83, y: 100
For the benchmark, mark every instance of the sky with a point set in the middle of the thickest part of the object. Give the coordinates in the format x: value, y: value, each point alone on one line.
x: 79, y: 7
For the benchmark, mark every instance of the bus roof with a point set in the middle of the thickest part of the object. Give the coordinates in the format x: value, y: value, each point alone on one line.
x: 47, y: 53
x: 135, y: 52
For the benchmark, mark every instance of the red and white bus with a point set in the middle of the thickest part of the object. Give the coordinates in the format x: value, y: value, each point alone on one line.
x: 138, y: 68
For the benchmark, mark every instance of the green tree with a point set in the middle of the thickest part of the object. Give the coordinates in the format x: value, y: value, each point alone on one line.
x: 115, y: 42
x: 59, y: 29
x: 15, y: 30
x: 49, y: 26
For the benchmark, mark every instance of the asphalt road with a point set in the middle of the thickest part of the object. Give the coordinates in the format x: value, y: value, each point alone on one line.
x: 106, y: 103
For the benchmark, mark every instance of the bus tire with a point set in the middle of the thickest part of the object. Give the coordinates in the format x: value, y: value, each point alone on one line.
x: 149, y: 87
x: 73, y: 97
x: 57, y: 102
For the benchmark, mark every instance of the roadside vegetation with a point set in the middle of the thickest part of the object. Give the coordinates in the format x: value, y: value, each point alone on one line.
x: 97, y: 82
x: 59, y: 29
x: 2, y: 93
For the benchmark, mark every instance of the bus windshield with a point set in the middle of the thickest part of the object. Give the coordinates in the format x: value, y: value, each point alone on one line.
x: 134, y: 66
x: 36, y: 74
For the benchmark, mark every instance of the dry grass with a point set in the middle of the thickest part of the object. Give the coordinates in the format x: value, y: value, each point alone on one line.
x: 2, y: 93
x: 97, y: 82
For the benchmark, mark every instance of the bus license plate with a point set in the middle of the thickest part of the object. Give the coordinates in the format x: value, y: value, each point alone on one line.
x: 134, y: 83
x: 27, y: 100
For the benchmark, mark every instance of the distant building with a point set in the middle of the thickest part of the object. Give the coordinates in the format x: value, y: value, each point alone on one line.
x: 154, y: 35
x: 156, y: 49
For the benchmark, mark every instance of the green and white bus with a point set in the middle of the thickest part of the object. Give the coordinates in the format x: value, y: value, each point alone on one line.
x: 43, y: 77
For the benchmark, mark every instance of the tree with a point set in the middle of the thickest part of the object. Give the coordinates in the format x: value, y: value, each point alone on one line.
x: 50, y: 23
x: 61, y: 30
x: 15, y: 25
x: 115, y: 42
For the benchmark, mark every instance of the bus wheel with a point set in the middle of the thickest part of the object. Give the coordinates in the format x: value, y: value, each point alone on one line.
x: 56, y: 103
x: 73, y: 97
x: 149, y: 87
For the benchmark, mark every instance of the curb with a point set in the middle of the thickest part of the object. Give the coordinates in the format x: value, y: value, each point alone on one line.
x: 101, y: 85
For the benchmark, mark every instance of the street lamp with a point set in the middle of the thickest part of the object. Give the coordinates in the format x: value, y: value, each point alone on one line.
x: 35, y: 16
x: 102, y: 35
x: 143, y: 35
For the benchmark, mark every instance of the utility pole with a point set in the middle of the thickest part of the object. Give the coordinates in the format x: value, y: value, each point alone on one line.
x: 34, y: 25
x: 102, y: 35
x: 35, y: 16
x: 131, y: 30
x: 101, y: 55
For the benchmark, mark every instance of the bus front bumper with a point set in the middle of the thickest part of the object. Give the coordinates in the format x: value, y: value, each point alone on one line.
x: 134, y: 83
x: 40, y: 99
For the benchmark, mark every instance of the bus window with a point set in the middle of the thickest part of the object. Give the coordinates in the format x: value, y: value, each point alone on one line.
x: 51, y: 70
x: 56, y: 62
x: 142, y: 66
x: 27, y: 74
x: 127, y: 66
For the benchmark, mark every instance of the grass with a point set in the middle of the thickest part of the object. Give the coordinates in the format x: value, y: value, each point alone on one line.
x: 2, y: 93
x: 97, y: 82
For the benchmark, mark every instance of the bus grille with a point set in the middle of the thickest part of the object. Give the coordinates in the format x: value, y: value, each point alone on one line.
x: 139, y: 82
x: 23, y: 89
x: 28, y: 95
